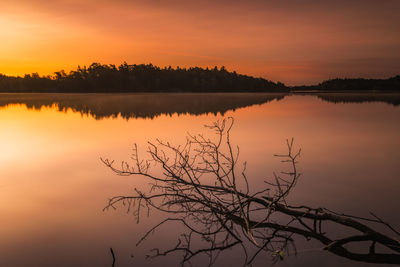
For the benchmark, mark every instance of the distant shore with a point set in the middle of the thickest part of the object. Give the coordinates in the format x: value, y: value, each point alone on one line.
x: 98, y: 78
x: 311, y: 92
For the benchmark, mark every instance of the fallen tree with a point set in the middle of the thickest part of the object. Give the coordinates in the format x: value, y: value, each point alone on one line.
x: 202, y: 188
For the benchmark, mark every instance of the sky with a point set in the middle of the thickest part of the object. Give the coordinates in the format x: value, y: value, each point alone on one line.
x: 292, y: 41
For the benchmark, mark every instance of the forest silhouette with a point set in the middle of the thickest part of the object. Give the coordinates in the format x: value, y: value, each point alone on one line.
x: 347, y: 85
x: 125, y: 78
x: 139, y: 78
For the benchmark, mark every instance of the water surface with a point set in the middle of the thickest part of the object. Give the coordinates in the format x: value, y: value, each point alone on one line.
x: 53, y: 186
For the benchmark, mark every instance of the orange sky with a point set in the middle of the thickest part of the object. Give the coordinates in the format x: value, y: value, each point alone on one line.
x: 293, y: 41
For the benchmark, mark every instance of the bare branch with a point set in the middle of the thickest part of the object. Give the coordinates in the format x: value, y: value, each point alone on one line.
x: 203, y: 189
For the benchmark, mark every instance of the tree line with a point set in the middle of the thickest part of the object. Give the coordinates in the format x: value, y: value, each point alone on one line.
x: 139, y: 78
x: 126, y: 78
x: 360, y: 84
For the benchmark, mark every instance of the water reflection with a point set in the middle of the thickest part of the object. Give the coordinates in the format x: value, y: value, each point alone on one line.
x: 203, y: 191
x: 389, y: 98
x: 152, y: 105
x: 53, y: 186
x: 140, y: 105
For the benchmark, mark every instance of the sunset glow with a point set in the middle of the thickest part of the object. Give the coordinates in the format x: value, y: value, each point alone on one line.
x: 199, y: 133
x: 296, y: 42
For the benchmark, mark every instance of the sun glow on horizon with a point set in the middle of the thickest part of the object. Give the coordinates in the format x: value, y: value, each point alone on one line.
x: 277, y: 41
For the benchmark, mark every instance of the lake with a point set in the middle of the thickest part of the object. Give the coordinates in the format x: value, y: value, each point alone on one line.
x: 53, y: 185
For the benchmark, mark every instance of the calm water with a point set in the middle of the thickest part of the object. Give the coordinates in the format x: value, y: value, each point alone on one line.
x: 53, y: 185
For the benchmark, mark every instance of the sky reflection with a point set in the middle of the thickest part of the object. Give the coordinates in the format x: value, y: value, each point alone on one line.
x: 53, y: 186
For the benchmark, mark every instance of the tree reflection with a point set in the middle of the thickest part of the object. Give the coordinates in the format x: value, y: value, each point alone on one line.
x: 203, y: 189
x: 389, y: 98
x: 129, y: 106
x: 150, y: 106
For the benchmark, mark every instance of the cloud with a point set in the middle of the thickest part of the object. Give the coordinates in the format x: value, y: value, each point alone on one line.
x: 247, y: 35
